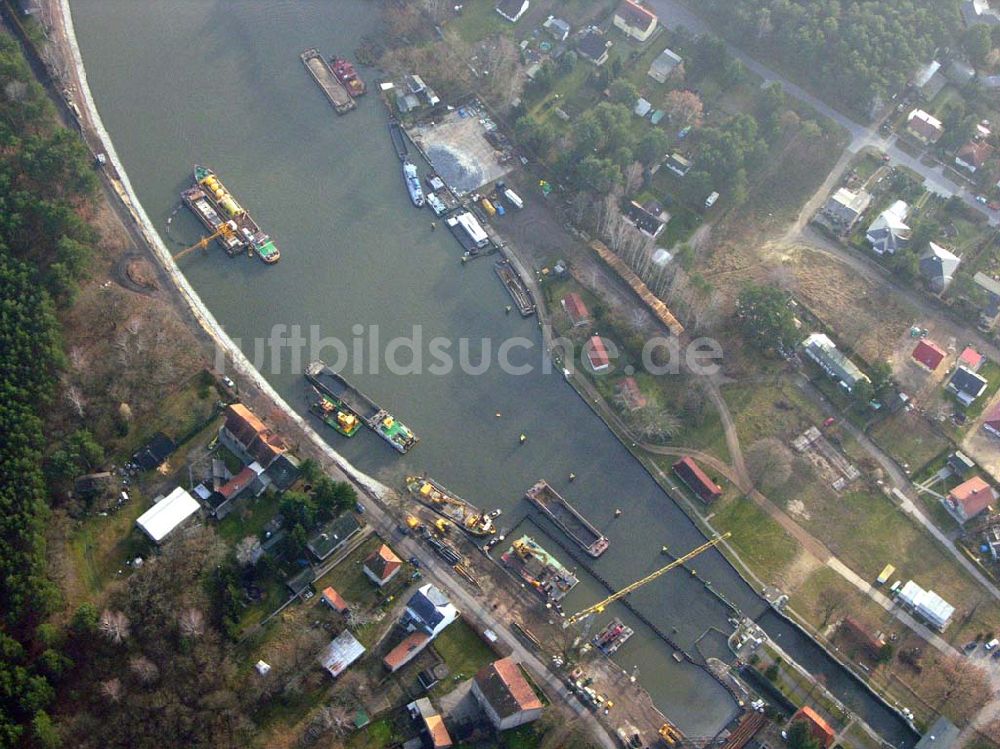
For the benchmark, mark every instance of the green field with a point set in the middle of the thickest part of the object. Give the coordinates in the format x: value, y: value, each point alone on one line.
x: 462, y: 650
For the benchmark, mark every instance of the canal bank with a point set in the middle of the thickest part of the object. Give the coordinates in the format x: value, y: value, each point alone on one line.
x: 355, y: 253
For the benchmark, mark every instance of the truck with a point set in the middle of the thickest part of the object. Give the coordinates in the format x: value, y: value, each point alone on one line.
x: 488, y: 207
x: 710, y: 200
x: 886, y: 573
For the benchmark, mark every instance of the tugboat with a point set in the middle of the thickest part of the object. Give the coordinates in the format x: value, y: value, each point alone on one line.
x: 413, y: 184
x: 347, y: 75
x: 335, y: 415
x: 613, y: 636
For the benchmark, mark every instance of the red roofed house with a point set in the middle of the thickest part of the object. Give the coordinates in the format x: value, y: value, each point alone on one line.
x: 631, y: 395
x: 970, y: 498
x: 576, y: 309
x: 505, y: 695
x: 247, y: 482
x: 929, y: 354
x: 597, y: 354
x: 245, y: 434
x: 697, y: 480
x: 992, y: 422
x: 973, y: 155
x: 635, y: 21
x: 335, y: 601
x: 434, y: 725
x: 971, y: 359
x: 818, y: 728
x: 406, y: 651
x: 925, y: 127
x: 382, y: 565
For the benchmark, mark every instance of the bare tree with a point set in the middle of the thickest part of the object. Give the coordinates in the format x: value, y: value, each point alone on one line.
x: 684, y: 108
x: 246, y: 550
x: 956, y: 687
x: 191, y: 623
x: 114, y: 625
x: 769, y: 462
x: 655, y: 424
x: 144, y: 669
x: 112, y: 689
x: 633, y: 178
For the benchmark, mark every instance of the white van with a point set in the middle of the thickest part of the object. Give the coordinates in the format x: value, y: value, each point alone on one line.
x: 710, y: 200
x: 992, y: 644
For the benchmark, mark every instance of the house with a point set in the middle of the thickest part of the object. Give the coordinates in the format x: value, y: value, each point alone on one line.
x: 971, y: 359
x: 642, y: 107
x: 941, y: 735
x: 631, y: 394
x: 845, y: 207
x: 989, y: 312
x: 970, y: 498
x: 824, y: 352
x: 666, y: 64
x: 382, y: 565
x: 505, y: 695
x: 979, y: 11
x: 558, y: 29
x: 283, y: 471
x: 992, y: 421
x: 245, y: 435
x: 960, y: 73
x: 406, y: 103
x: 929, y: 80
x: 512, y: 10
x: 427, y: 614
x: 248, y: 482
x: 961, y: 464
x: 93, y: 485
x: 635, y: 21
x: 966, y: 385
x: 937, y: 266
x: 167, y: 514
x: 973, y: 155
x: 593, y: 46
x: 678, y: 164
x: 819, y: 729
x: 153, y: 453
x: 597, y: 354
x: 644, y: 220
x: 889, y: 232
x: 577, y: 311
x: 342, y: 651
x: 335, y: 601
x: 926, y: 604
x: 333, y: 535
x: 924, y: 127
x: 415, y: 84
x: 433, y: 723
x: 697, y: 480
x: 928, y: 354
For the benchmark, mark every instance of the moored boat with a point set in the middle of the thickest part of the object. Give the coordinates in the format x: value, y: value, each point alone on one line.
x: 465, y: 515
x: 227, y: 208
x: 336, y: 415
x: 413, y: 184
x: 567, y: 518
x: 612, y: 637
x: 347, y: 75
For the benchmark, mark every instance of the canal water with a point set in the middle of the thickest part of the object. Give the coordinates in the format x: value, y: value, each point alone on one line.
x: 219, y: 82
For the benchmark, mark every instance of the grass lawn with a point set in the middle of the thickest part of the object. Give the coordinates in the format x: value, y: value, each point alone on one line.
x: 250, y: 519
x: 909, y: 439
x: 349, y: 579
x: 178, y: 413
x: 462, y: 649
x: 376, y: 735
x: 100, y: 545
x: 760, y: 541
x: 479, y: 19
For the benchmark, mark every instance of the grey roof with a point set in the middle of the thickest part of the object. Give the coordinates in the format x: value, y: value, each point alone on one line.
x: 284, y: 471
x: 592, y: 45
x: 427, y: 606
x: 938, y: 266
x: 330, y: 536
x: 968, y: 382
x: 511, y: 8
x: 959, y: 72
x: 825, y: 353
x: 665, y: 63
x: 557, y: 27
x: 941, y: 735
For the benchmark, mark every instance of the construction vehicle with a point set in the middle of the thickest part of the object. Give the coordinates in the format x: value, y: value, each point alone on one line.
x: 442, y: 526
x: 598, y: 607
x: 226, y: 229
x: 412, y: 522
x: 669, y: 734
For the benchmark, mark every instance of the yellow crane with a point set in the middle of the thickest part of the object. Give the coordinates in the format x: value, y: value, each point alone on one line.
x: 601, y: 605
x: 226, y: 229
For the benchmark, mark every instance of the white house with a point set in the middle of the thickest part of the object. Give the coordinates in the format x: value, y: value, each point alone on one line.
x: 889, y: 232
x: 512, y: 10
x: 635, y: 21
x: 505, y: 695
x: 166, y: 515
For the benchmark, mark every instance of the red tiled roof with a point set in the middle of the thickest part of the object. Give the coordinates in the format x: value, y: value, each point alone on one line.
x: 971, y: 358
x: 504, y: 685
x: 974, y: 495
x: 383, y: 562
x: 575, y: 308
x: 818, y: 727
x: 439, y: 734
x: 404, y: 651
x: 975, y: 152
x: 929, y: 354
x: 597, y: 353
x: 335, y: 600
x: 635, y: 15
x: 251, y: 432
x: 696, y: 479
x: 238, y: 483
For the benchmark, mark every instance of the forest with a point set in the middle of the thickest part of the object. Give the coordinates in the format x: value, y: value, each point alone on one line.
x: 860, y: 51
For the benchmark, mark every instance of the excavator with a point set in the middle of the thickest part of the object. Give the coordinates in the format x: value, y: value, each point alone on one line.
x: 226, y: 229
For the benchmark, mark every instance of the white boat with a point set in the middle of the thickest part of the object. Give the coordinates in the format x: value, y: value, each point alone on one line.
x: 413, y: 184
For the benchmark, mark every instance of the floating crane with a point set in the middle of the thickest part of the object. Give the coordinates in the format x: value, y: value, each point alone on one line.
x: 226, y: 229
x: 598, y: 607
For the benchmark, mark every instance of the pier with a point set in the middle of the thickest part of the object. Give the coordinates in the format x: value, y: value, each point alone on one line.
x: 515, y: 285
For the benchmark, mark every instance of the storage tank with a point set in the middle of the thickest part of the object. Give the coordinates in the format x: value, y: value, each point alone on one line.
x: 230, y: 206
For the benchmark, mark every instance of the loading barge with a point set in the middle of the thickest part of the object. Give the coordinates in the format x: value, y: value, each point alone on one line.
x: 515, y: 285
x: 612, y: 637
x: 567, y: 518
x: 398, y: 141
x: 348, y: 76
x: 324, y: 76
x: 466, y: 516
x: 335, y: 414
x: 539, y: 569
x: 376, y: 418
x: 212, y: 203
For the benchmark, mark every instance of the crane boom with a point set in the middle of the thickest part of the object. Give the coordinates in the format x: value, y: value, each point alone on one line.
x: 226, y: 229
x: 600, y: 605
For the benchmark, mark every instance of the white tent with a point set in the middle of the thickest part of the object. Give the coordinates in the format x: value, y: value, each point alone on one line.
x: 163, y: 517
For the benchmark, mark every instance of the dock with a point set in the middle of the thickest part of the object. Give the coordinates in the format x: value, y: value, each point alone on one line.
x: 322, y: 73
x: 554, y: 506
x: 398, y: 140
x: 515, y: 285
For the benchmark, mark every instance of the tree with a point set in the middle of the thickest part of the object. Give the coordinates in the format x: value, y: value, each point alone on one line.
x: 597, y: 175
x: 655, y: 424
x: 538, y: 136
x: 863, y: 392
x: 333, y: 497
x: 684, y: 108
x: 769, y: 462
x: 623, y: 91
x: 800, y: 736
x: 977, y: 43
x: 297, y: 508
x: 764, y: 316
x: 653, y: 146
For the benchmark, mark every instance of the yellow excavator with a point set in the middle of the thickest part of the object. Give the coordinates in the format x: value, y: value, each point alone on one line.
x: 226, y: 229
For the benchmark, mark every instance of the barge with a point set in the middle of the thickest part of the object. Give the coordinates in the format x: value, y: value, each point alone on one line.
x: 612, y: 637
x: 412, y: 180
x: 348, y: 76
x: 212, y: 203
x: 515, y: 285
x: 567, y: 518
x: 335, y: 414
x: 323, y: 74
x: 384, y: 424
x: 398, y: 140
x: 468, y: 231
x: 466, y: 516
x: 539, y: 569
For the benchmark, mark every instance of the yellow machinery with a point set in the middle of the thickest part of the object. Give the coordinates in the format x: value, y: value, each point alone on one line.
x: 226, y: 229
x: 598, y: 607
x: 670, y: 735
